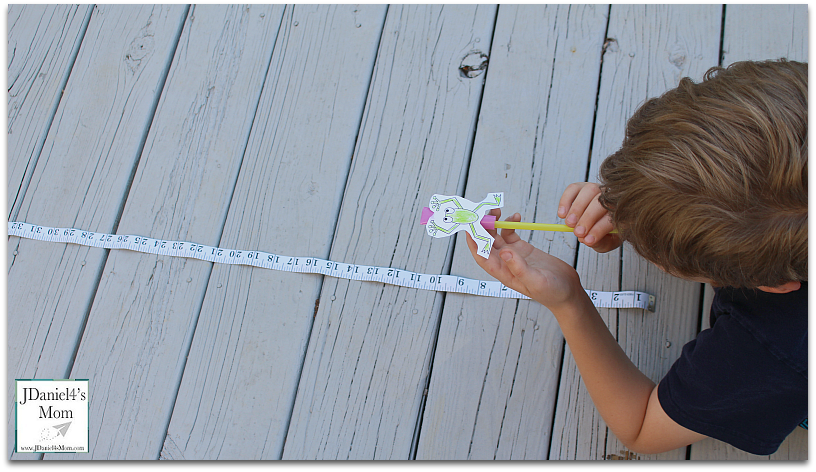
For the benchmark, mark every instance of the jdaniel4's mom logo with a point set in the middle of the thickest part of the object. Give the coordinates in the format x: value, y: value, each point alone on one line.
x: 51, y: 416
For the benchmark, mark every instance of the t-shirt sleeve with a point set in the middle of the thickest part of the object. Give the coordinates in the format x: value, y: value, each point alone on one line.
x: 728, y: 386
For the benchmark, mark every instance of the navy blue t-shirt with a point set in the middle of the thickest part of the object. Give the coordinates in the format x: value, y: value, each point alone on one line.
x: 744, y: 380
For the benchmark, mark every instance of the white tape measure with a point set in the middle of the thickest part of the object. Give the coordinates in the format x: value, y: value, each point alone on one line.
x: 310, y: 265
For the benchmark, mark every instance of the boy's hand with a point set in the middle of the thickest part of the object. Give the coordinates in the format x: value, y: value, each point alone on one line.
x: 528, y: 270
x: 581, y: 210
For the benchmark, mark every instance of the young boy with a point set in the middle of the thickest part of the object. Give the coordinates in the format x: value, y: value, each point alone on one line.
x: 710, y: 185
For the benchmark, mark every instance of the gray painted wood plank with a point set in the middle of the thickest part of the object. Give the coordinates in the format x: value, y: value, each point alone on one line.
x: 80, y: 180
x: 369, y: 352
x: 653, y: 47
x: 759, y: 32
x: 43, y: 41
x: 239, y: 384
x: 496, y: 364
x: 143, y: 316
x: 708, y: 297
x: 794, y: 448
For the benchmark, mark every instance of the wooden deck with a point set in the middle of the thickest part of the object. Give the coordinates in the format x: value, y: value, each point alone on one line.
x: 322, y: 131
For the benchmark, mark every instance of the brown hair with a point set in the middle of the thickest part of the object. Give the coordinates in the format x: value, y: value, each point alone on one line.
x: 711, y: 180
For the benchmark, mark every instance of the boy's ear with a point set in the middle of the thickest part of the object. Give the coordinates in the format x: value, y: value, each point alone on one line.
x: 784, y: 288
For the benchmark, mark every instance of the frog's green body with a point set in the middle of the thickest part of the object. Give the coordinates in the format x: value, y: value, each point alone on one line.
x: 463, y: 216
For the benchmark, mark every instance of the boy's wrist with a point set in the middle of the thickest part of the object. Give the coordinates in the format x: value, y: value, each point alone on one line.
x: 576, y: 309
x: 571, y: 298
x: 575, y: 306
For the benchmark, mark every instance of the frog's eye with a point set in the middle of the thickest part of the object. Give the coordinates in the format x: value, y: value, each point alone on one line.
x: 448, y: 211
x: 447, y: 219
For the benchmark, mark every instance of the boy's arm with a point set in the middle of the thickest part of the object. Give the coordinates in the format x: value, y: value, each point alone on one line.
x: 624, y: 396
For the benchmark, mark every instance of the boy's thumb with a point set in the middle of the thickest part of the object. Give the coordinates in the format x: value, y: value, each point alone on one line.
x: 516, y: 264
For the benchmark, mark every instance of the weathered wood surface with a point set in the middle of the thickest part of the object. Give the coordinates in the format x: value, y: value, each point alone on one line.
x: 340, y: 121
x: 369, y: 355
x: 495, y: 372
x: 42, y: 44
x: 650, y: 48
x: 145, y: 312
x: 759, y: 32
x: 242, y: 372
x: 81, y: 180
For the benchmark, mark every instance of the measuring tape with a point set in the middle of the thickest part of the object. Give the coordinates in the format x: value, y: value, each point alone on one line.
x: 309, y: 265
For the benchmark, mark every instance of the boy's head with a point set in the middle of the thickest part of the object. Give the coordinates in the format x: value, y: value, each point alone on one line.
x: 711, y: 180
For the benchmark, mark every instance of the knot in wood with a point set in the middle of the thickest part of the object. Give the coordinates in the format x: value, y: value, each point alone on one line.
x: 139, y: 49
x: 677, y: 56
x: 610, y: 45
x: 473, y: 64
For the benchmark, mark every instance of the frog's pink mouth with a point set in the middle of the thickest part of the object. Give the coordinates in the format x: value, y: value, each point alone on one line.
x: 427, y: 213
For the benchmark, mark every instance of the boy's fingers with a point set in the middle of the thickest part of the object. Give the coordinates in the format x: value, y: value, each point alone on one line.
x: 567, y: 198
x: 491, y: 265
x: 497, y: 213
x: 509, y: 235
x: 579, y: 205
x: 514, y: 263
x: 606, y: 243
x: 600, y: 230
x: 594, y: 221
x: 517, y: 269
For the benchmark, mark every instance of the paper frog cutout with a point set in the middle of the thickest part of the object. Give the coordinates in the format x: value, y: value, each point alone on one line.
x: 452, y: 214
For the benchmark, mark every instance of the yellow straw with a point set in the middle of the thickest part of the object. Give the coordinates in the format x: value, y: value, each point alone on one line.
x: 536, y: 226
